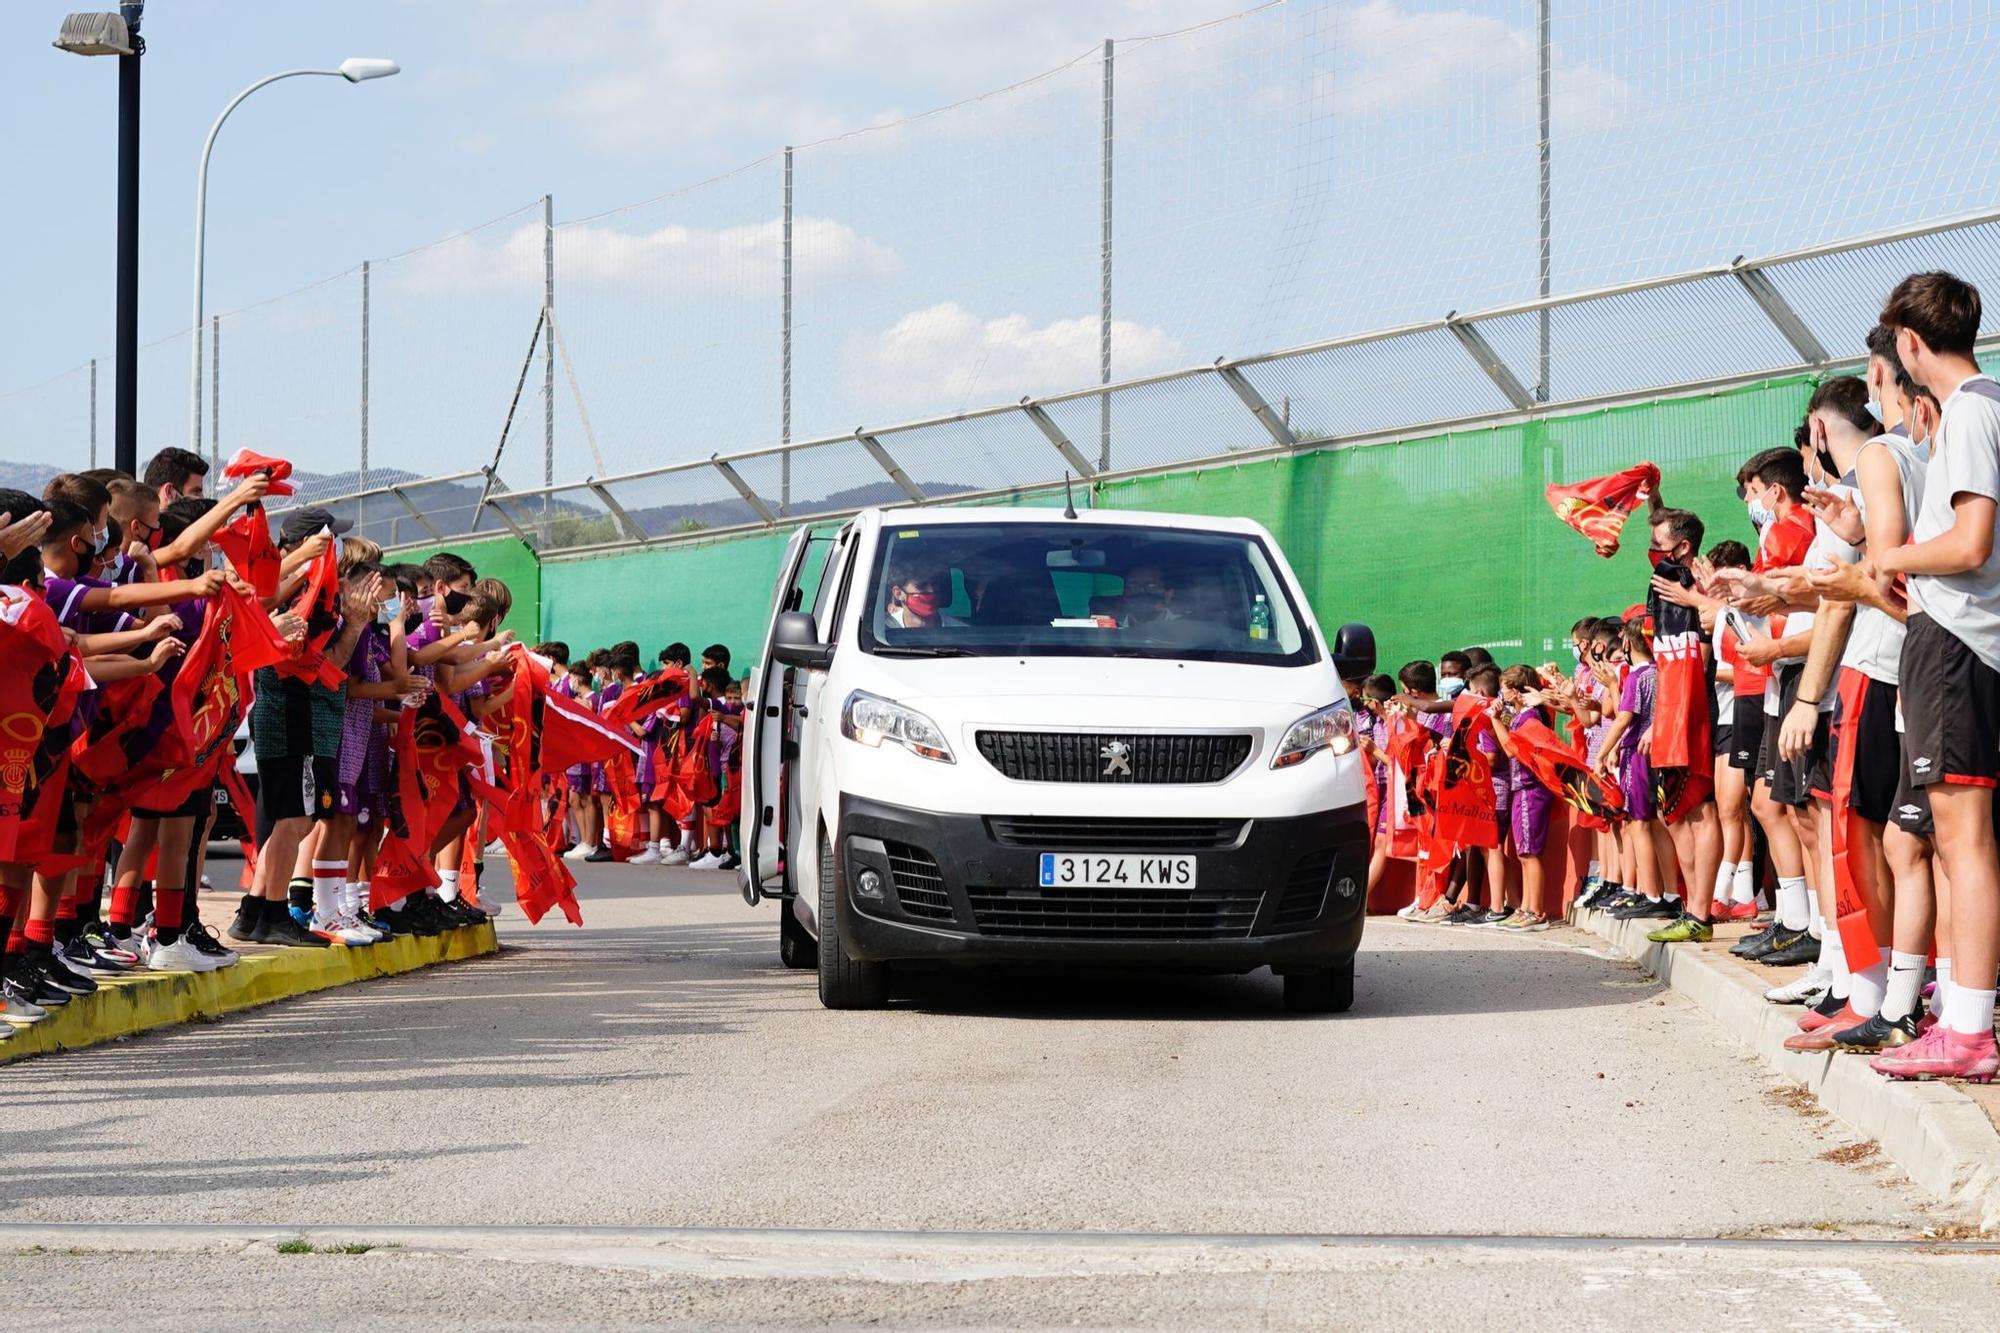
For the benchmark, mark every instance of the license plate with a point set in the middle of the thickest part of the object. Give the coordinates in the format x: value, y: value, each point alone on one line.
x: 1063, y: 870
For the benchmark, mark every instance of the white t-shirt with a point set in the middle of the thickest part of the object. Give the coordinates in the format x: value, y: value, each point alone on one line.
x: 1965, y: 459
x: 1875, y: 647
x: 1825, y: 549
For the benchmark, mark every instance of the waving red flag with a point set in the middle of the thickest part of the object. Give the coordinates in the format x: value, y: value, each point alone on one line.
x: 1598, y: 508
x: 1562, y: 767
x: 649, y: 696
x: 319, y: 607
x: 246, y: 541
x: 247, y: 463
x: 572, y: 735
x: 1462, y: 779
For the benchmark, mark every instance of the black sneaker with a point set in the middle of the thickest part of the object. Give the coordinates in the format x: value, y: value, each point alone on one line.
x: 467, y: 914
x: 23, y: 994
x: 82, y: 956
x: 1649, y: 909
x: 1799, y: 948
x: 1760, y: 942
x: 281, y: 929
x: 1465, y: 915
x: 1878, y: 1034
x: 58, y: 973
x: 198, y: 935
x: 731, y: 862
x: 599, y: 853
x: 420, y: 915
x: 251, y: 923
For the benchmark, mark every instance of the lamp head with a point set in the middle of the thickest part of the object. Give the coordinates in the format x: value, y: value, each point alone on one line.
x: 356, y: 68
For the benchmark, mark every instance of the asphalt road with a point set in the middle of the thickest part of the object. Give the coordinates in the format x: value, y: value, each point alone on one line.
x: 660, y: 1069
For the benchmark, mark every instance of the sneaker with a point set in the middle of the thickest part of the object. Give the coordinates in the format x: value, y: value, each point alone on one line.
x: 679, y: 856
x: 1464, y: 916
x: 649, y: 857
x: 130, y: 939
x: 1802, y: 948
x: 338, y: 931
x: 706, y: 861
x: 100, y: 939
x: 64, y: 977
x: 1436, y: 913
x: 1877, y: 1034
x: 1493, y: 918
x: 1825, y: 1011
x: 1407, y: 913
x: 250, y: 925
x: 81, y: 957
x: 1808, y: 989
x: 197, y: 935
x: 1819, y: 1036
x: 1687, y: 930
x: 282, y: 929
x: 180, y: 956
x: 419, y: 916
x: 599, y: 855
x: 731, y: 862
x: 1523, y: 922
x: 18, y: 1003
x: 580, y: 852
x: 25, y: 983
x: 382, y: 923
x: 1755, y: 941
x: 1648, y: 909
x: 496, y: 848
x: 1944, y: 1054
x: 1735, y: 912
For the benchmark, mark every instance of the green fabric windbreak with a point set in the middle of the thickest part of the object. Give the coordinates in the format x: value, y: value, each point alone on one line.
x: 1447, y: 541
x: 508, y: 559
x: 696, y: 593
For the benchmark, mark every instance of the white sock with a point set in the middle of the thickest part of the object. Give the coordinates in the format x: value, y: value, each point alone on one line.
x: 328, y: 876
x: 1969, y: 1012
x: 448, y: 886
x: 1725, y: 874
x: 1869, y: 986
x: 1833, y: 959
x: 1905, y: 985
x: 1746, y: 883
x: 1794, y: 906
x: 1596, y: 871
x: 652, y: 844
x: 1942, y: 991
x: 1815, y: 924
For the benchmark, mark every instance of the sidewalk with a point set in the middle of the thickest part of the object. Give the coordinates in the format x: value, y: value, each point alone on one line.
x: 141, y: 1001
x: 1943, y: 1134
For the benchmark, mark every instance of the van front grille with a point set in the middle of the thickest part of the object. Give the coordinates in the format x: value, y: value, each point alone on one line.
x: 1069, y: 834
x: 1114, y: 913
x: 1114, y: 758
x: 919, y: 885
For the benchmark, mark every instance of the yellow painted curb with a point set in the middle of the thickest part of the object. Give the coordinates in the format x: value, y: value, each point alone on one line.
x: 141, y: 1001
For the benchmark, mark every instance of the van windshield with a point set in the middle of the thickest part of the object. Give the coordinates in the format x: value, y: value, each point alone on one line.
x: 1077, y: 589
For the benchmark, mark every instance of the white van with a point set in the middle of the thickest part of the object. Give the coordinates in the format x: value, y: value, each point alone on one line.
x: 1028, y: 735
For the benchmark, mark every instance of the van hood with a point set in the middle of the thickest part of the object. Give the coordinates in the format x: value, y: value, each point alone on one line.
x: 1127, y: 691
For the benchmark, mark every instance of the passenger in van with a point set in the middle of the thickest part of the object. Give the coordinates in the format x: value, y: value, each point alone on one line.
x: 917, y: 602
x: 1147, y: 599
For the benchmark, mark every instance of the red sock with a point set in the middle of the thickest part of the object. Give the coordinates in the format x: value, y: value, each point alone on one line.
x: 40, y: 932
x: 66, y: 909
x: 169, y: 908
x: 125, y: 906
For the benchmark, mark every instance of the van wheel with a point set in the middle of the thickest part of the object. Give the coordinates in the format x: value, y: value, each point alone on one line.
x: 796, y: 946
x: 1328, y: 992
x: 844, y: 983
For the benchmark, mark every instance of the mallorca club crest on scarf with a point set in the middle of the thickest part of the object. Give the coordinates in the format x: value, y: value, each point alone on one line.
x: 1598, y: 508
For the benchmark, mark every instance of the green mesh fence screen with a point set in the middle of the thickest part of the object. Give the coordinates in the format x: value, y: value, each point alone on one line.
x: 1447, y: 541
x: 1440, y: 542
x: 508, y: 559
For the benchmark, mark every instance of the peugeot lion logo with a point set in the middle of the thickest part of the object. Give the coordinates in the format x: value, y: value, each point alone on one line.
x: 1117, y: 757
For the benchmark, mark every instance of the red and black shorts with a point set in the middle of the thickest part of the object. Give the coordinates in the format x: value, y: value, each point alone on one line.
x: 1746, y: 733
x: 1951, y: 709
x: 1868, y: 730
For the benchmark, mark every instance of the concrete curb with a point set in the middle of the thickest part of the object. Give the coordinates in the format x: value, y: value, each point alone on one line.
x: 143, y: 1001
x: 1931, y: 1130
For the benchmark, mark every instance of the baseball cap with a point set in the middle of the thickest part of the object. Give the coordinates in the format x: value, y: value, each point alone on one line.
x: 300, y: 524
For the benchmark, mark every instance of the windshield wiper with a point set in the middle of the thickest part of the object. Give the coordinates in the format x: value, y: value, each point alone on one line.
x: 922, y: 650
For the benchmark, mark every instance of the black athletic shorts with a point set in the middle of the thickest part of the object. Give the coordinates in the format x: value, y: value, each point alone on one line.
x: 1912, y: 810
x: 1792, y: 781
x: 1878, y: 750
x: 1725, y: 741
x: 293, y: 788
x: 1747, y: 734
x: 196, y: 804
x: 1951, y: 709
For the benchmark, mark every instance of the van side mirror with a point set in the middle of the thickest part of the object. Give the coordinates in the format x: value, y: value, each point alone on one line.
x: 1354, y: 651
x: 795, y: 642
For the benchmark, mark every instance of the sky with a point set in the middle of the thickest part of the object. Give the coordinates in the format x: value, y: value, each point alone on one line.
x: 1310, y: 169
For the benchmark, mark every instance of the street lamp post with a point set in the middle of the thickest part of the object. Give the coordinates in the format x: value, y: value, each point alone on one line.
x: 356, y: 69
x: 118, y: 35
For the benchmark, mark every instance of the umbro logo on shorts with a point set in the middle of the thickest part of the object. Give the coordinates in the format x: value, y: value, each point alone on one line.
x: 1909, y: 811
x: 1921, y: 764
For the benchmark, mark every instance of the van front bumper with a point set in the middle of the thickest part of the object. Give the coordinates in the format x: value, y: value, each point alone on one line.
x: 1288, y: 893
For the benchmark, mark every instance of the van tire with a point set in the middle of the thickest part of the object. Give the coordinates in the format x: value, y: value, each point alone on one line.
x: 796, y: 946
x: 1328, y: 992
x: 844, y: 983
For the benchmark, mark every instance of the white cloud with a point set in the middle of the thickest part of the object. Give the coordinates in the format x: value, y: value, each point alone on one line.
x: 948, y: 356
x: 667, y: 262
x: 644, y: 74
x: 1397, y: 59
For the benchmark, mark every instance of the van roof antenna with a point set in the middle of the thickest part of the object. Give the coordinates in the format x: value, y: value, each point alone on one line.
x: 1069, y: 497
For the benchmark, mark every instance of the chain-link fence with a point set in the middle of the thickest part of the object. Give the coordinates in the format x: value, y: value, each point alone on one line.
x: 1093, y: 237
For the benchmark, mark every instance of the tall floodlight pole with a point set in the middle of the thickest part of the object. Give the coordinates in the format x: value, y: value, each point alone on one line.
x: 1542, y: 262
x: 1104, y: 280
x: 358, y: 69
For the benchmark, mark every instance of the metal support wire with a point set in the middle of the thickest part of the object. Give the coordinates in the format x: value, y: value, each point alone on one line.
x: 520, y: 382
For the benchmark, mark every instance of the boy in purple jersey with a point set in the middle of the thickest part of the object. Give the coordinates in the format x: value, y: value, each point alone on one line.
x: 1484, y: 681
x: 1530, y: 803
x: 1621, y: 760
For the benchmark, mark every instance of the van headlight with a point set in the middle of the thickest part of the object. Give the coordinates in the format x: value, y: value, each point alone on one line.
x: 871, y: 720
x: 1331, y: 728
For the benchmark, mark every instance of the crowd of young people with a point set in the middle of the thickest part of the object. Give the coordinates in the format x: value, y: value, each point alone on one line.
x: 399, y: 734
x: 1803, y: 736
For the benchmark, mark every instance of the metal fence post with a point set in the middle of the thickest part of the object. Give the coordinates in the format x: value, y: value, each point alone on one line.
x: 1542, y: 214
x: 93, y: 411
x: 361, y: 502
x: 785, y: 390
x: 549, y: 351
x: 1104, y: 279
